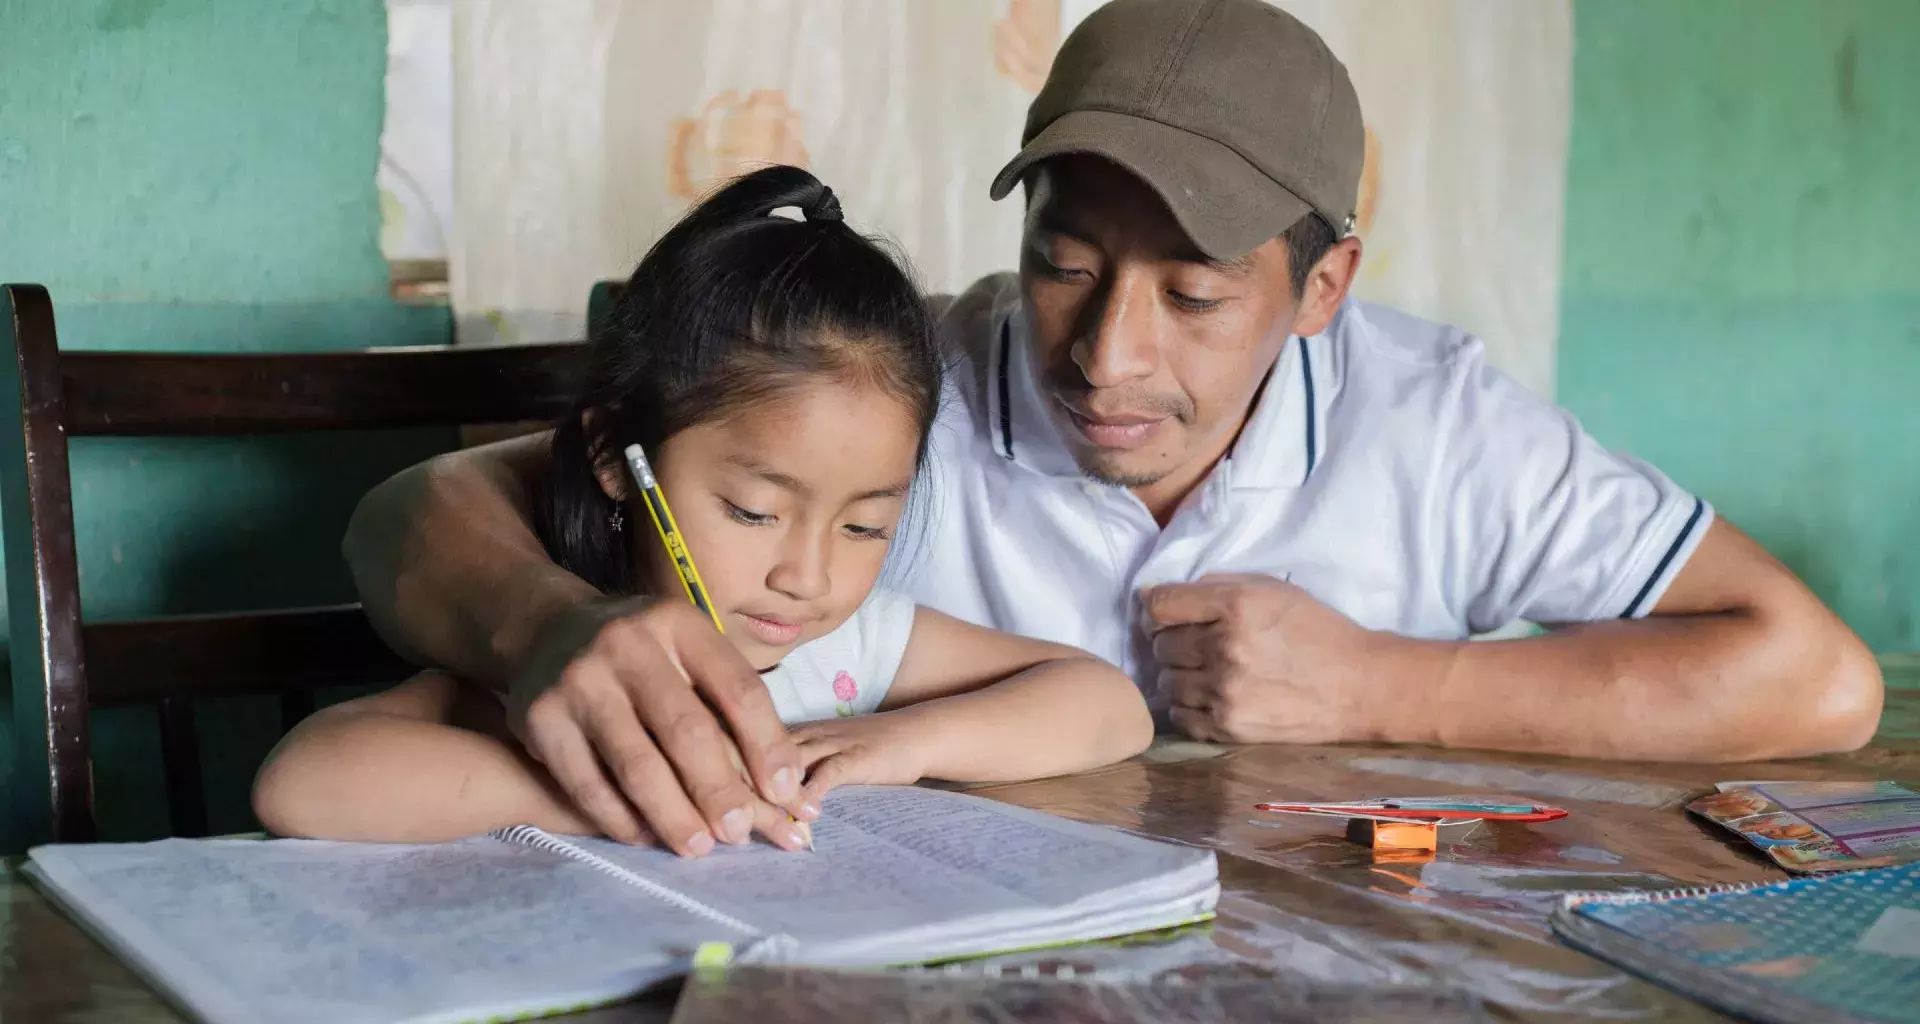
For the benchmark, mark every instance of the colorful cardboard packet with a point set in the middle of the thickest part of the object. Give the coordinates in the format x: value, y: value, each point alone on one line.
x: 1813, y: 827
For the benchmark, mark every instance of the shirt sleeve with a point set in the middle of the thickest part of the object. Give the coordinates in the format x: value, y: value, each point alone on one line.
x: 1540, y: 522
x: 882, y: 628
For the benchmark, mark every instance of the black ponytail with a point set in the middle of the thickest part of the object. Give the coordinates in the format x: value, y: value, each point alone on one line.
x: 733, y: 305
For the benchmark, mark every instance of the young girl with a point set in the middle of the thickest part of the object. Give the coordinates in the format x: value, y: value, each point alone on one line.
x: 781, y: 374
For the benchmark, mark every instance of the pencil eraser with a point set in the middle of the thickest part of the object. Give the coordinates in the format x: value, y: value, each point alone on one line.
x: 1394, y: 835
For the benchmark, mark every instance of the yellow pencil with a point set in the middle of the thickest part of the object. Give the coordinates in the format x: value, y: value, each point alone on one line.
x: 670, y: 533
x: 683, y: 562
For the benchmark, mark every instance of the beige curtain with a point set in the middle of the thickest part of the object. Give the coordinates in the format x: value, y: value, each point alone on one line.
x: 1463, y: 198
x: 583, y: 127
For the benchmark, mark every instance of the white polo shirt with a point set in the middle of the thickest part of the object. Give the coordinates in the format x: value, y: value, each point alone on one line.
x: 1387, y: 469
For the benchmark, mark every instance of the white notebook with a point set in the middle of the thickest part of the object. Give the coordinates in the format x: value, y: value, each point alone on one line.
x: 520, y: 923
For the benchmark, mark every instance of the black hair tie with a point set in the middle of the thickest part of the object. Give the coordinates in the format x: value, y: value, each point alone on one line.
x: 824, y: 207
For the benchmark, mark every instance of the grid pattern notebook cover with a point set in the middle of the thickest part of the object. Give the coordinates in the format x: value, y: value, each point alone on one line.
x: 1840, y: 947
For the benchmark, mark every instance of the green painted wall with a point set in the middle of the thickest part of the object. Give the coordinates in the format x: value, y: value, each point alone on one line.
x: 1742, y: 286
x: 1741, y: 300
x: 198, y: 174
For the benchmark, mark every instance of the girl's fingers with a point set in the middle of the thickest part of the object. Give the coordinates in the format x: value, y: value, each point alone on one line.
x: 813, y: 753
x: 777, y: 826
x: 773, y: 822
x: 837, y: 769
x: 809, y: 734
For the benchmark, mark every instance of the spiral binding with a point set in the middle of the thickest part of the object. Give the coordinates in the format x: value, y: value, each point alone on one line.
x: 1574, y: 899
x: 765, y: 947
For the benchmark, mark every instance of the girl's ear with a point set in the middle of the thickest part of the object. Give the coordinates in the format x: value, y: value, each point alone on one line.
x: 613, y: 478
x: 608, y: 468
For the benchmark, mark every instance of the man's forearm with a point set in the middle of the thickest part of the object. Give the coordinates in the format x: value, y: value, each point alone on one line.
x: 448, y: 567
x: 1710, y: 687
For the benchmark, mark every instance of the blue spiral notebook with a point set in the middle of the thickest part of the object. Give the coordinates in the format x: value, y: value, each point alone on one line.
x: 1842, y: 947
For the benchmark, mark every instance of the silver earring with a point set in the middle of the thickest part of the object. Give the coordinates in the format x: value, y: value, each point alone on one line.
x: 618, y: 520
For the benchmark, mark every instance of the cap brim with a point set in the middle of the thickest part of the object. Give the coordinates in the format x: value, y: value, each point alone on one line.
x: 1227, y: 206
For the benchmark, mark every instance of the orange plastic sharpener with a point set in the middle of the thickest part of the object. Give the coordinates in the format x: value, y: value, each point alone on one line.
x: 1394, y: 835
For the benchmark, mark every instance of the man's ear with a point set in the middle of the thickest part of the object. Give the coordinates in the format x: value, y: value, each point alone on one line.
x: 1327, y: 287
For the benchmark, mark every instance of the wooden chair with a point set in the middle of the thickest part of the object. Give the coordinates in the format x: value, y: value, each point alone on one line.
x: 63, y: 667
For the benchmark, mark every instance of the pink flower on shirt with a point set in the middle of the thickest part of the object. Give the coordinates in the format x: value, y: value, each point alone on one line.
x: 844, y: 688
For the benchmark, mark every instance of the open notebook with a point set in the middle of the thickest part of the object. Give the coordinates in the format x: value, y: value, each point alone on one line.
x: 1841, y: 947
x: 521, y: 922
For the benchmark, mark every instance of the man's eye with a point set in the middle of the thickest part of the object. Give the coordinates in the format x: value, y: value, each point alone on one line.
x: 1060, y: 273
x: 745, y: 517
x: 1192, y: 304
x: 1048, y: 267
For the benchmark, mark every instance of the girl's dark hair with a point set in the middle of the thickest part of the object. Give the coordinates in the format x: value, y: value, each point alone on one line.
x: 731, y: 307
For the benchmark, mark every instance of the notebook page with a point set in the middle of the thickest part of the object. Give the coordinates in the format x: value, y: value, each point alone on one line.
x: 900, y: 859
x: 308, y: 931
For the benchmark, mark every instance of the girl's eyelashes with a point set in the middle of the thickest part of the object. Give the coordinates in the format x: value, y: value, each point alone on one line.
x: 748, y: 517
x: 745, y: 517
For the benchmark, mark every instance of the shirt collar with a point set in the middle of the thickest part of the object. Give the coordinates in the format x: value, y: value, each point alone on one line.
x: 1284, y: 439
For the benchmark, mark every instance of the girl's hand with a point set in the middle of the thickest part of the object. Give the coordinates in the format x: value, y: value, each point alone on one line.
x: 877, y: 750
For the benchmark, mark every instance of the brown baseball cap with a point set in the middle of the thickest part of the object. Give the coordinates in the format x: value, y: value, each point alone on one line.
x: 1232, y: 110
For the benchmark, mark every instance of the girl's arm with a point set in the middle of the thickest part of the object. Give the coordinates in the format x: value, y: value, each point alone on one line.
x: 426, y: 761
x: 970, y: 704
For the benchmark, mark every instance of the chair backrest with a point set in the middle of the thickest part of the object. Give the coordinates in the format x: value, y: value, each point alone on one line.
x: 62, y: 667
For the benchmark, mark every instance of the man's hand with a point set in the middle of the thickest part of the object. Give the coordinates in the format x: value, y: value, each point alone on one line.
x: 619, y: 701
x: 1251, y: 659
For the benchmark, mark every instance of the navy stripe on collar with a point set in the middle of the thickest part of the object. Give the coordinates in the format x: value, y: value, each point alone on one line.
x: 1006, y: 406
x: 1633, y: 607
x: 1306, y: 374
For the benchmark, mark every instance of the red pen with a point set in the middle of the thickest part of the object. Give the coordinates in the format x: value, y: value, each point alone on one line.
x: 1386, y: 809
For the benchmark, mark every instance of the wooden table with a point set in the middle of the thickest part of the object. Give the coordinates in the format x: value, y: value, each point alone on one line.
x: 1298, y: 899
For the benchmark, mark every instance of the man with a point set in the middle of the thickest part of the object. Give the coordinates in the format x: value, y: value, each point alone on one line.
x: 1177, y: 443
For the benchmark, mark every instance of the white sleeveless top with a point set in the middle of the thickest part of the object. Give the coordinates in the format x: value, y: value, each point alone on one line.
x: 847, y: 671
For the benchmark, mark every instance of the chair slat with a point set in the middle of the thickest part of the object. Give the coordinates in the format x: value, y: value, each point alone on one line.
x: 115, y: 393
x: 144, y: 660
x: 180, y: 761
